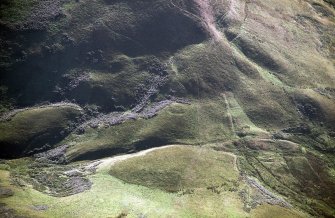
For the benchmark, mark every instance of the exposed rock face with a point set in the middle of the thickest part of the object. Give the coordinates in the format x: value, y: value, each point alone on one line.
x: 5, y: 192
x: 265, y: 195
x: 53, y: 156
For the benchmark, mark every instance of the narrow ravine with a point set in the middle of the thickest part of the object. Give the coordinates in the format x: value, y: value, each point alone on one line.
x: 208, y: 20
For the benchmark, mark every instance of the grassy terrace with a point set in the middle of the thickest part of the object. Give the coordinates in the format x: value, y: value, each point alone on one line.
x: 208, y: 188
x: 183, y: 124
x: 178, y: 168
x: 32, y: 128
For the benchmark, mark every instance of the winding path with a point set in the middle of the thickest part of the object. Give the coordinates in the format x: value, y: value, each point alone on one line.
x: 230, y: 117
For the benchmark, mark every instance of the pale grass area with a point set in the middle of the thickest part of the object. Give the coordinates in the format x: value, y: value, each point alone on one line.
x: 241, y: 119
x: 106, y: 163
x: 110, y: 197
x: 208, y: 20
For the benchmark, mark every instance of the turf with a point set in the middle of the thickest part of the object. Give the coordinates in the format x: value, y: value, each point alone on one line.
x: 178, y: 168
x: 27, y: 129
x: 111, y: 197
x: 258, y: 77
x: 178, y: 123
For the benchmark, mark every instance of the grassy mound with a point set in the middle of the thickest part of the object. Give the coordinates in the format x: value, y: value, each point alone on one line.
x: 112, y: 197
x: 35, y: 128
x: 178, y: 123
x: 178, y: 168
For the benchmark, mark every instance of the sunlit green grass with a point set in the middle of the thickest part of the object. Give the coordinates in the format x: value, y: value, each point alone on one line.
x: 33, y: 123
x: 196, y: 123
x: 178, y: 168
x: 110, y: 197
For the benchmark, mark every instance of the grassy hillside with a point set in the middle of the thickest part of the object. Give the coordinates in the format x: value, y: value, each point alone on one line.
x: 37, y: 128
x: 207, y: 195
x: 178, y: 168
x: 246, y: 89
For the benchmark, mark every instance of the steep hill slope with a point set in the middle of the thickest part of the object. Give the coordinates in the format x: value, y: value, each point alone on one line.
x: 241, y: 85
